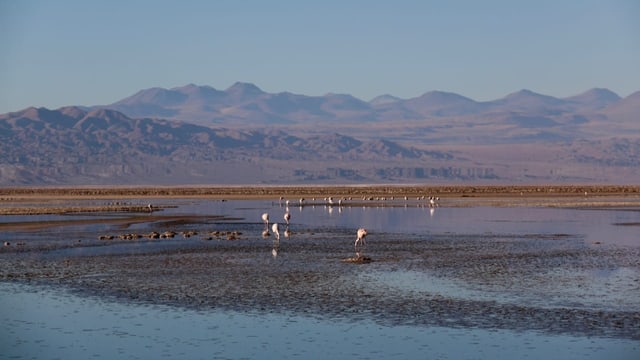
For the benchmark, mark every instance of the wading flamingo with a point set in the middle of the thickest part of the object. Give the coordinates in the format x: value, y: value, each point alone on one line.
x: 287, y: 217
x: 362, y: 233
x: 265, y: 219
x: 274, y: 228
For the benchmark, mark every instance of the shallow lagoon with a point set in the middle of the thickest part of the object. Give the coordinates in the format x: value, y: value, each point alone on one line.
x: 41, y: 319
x: 48, y: 324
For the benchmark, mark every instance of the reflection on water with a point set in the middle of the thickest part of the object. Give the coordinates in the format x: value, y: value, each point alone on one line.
x: 594, y: 225
x: 45, y: 322
x: 38, y: 322
x: 561, y: 288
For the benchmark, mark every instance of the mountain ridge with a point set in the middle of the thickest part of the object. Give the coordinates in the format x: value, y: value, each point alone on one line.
x: 198, y: 134
x: 106, y: 146
x: 245, y: 104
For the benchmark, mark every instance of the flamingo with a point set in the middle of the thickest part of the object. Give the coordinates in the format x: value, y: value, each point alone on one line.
x: 274, y: 228
x: 287, y: 217
x: 362, y: 233
x: 265, y: 219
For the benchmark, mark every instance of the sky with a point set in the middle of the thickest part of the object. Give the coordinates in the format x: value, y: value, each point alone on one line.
x: 66, y: 52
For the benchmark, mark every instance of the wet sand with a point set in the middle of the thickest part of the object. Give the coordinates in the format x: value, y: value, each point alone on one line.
x: 311, y: 277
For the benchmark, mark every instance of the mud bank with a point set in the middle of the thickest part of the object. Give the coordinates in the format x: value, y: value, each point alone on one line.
x: 310, y: 277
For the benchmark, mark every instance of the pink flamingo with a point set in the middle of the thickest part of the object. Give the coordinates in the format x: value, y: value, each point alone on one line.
x: 362, y: 233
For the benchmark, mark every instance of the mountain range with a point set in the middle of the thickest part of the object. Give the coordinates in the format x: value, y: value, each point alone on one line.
x: 73, y: 145
x: 433, y: 117
x: 200, y: 135
x: 246, y: 104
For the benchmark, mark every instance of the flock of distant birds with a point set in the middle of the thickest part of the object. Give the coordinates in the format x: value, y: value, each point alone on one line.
x: 433, y: 201
x: 361, y: 233
x: 275, y: 228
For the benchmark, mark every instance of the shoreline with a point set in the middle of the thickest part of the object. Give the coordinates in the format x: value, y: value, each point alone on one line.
x: 59, y: 200
x: 266, y: 191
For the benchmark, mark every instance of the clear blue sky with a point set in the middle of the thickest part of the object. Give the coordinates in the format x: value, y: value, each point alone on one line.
x: 57, y: 53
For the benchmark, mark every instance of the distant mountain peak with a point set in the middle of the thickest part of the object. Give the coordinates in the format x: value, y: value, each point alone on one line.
x: 603, y: 91
x: 154, y: 95
x: 188, y: 86
x: 526, y: 99
x: 384, y: 99
x: 31, y: 112
x: 635, y: 95
x: 438, y: 95
x: 244, y: 88
x: 35, y: 113
x: 626, y: 109
x: 526, y: 93
x: 73, y: 112
x: 441, y: 103
x: 193, y: 88
x: 600, y: 94
x: 594, y: 99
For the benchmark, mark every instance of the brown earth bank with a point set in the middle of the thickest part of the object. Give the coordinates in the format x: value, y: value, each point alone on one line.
x: 58, y: 200
x: 256, y: 192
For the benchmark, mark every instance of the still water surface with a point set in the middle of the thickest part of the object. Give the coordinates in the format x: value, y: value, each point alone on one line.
x: 47, y: 322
